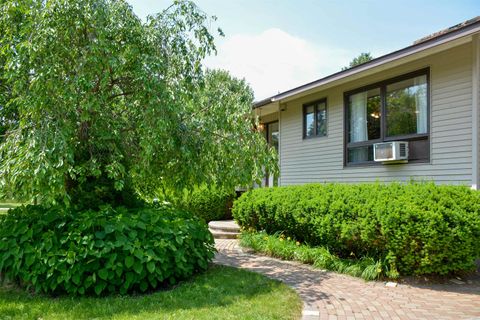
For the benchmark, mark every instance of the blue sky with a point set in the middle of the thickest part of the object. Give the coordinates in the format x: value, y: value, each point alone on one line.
x: 276, y: 45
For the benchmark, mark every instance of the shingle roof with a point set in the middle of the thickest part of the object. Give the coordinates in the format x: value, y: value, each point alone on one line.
x: 448, y: 30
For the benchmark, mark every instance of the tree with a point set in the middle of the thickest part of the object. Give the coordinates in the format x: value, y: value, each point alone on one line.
x: 362, y: 58
x: 105, y: 104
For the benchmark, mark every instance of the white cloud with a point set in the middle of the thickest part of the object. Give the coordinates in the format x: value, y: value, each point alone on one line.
x: 274, y: 61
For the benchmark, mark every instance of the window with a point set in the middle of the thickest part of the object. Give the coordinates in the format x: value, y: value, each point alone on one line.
x: 272, y: 135
x: 315, y: 119
x: 396, y: 109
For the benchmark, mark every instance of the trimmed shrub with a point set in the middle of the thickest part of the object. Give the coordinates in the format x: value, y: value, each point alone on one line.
x: 418, y: 228
x: 206, y: 202
x: 113, y: 250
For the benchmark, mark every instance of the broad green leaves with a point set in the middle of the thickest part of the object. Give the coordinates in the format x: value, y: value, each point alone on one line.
x: 129, y: 262
x: 94, y: 102
x: 63, y: 255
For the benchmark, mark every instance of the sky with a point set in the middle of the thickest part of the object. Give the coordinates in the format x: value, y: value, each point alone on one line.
x: 277, y: 45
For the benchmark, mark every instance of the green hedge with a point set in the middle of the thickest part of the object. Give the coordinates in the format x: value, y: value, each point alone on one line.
x: 117, y: 250
x: 418, y: 228
x: 206, y: 202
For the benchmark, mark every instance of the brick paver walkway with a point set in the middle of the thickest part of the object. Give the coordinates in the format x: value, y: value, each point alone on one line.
x: 328, y: 295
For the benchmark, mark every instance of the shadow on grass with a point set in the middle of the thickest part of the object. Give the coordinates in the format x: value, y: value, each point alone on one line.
x: 219, y: 292
x: 294, y: 274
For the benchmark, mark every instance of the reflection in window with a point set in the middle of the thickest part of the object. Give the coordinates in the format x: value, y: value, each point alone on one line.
x: 364, y: 112
x: 360, y: 154
x: 406, y: 107
x: 309, y: 121
x: 315, y: 119
x: 321, y: 119
x: 373, y: 114
x: 273, y: 134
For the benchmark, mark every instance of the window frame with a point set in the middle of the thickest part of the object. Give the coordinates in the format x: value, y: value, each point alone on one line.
x: 267, y: 135
x: 382, y: 85
x: 315, y: 111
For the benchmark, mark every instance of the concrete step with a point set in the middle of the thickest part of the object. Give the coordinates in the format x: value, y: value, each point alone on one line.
x: 227, y: 229
x: 224, y: 234
x: 227, y: 226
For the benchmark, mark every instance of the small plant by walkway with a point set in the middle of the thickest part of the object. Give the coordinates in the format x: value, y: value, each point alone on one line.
x: 285, y: 248
x: 329, y: 295
x: 220, y: 293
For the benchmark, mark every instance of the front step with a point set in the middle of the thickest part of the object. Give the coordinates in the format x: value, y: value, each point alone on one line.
x: 225, y: 225
x: 224, y: 235
x: 227, y: 229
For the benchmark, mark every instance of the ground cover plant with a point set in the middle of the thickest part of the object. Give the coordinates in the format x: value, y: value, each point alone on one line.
x: 286, y: 248
x: 111, y: 250
x: 219, y: 293
x: 415, y: 228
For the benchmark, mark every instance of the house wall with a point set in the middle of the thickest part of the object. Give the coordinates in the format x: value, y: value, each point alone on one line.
x: 476, y: 106
x: 321, y: 159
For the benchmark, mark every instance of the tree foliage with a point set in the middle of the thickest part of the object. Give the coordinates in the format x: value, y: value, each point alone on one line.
x: 360, y: 59
x: 95, y: 103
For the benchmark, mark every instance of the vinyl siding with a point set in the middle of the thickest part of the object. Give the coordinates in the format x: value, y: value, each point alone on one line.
x: 321, y: 159
x: 476, y: 86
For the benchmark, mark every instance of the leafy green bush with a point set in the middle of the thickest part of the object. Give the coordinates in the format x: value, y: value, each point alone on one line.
x: 418, y: 228
x: 55, y: 250
x: 286, y: 248
x: 206, y: 202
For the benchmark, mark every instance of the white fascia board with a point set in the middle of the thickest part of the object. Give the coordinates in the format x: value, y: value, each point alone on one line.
x: 383, y: 63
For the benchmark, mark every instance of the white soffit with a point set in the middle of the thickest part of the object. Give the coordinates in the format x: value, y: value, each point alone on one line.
x: 267, y: 109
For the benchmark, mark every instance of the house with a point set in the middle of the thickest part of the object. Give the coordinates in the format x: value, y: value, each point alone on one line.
x: 426, y: 95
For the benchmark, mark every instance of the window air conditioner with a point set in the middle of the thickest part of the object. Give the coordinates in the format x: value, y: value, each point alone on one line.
x: 391, y: 152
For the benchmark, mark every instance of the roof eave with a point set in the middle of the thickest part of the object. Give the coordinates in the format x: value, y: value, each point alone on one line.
x: 390, y: 57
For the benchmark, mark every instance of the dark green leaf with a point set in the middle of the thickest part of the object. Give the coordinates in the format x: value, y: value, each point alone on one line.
x: 129, y: 261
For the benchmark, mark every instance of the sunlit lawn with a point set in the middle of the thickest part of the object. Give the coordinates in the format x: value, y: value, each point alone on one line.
x: 220, y: 293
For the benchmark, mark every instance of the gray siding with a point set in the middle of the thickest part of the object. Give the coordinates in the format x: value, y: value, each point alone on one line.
x: 321, y: 159
x: 476, y: 84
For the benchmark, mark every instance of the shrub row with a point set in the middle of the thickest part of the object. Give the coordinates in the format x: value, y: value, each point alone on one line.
x: 418, y: 228
x: 55, y: 250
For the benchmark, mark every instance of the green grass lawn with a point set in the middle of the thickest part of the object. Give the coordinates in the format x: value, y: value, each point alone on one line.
x: 220, y: 293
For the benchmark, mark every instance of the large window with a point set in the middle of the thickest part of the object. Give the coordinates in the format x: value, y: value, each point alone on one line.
x: 315, y: 119
x: 396, y: 109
